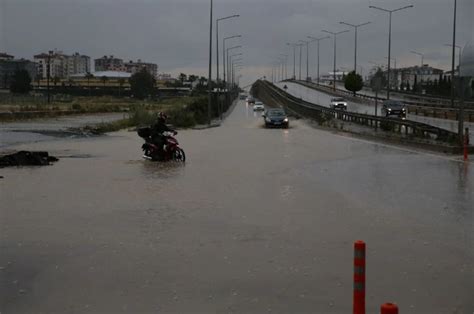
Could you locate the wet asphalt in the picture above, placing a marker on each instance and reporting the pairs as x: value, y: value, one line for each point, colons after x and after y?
x: 323, y: 99
x: 256, y: 221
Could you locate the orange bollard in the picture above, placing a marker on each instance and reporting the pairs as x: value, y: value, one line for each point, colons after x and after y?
x: 359, y: 278
x: 389, y: 308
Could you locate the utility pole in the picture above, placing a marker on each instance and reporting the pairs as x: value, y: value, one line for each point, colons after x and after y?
x: 389, y: 39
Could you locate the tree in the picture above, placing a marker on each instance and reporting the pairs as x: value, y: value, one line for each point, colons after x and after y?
x: 21, y: 82
x: 353, y: 82
x: 378, y: 76
x: 142, y: 84
x: 183, y: 77
x: 192, y: 78
x: 415, y: 84
x: 104, y: 80
x: 88, y: 77
x: 121, y: 82
x: 56, y: 80
x: 38, y: 78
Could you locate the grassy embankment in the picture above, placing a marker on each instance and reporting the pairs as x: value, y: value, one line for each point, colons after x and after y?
x: 183, y: 111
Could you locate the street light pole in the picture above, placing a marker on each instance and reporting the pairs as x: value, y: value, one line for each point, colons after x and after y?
x: 389, y: 39
x: 301, y: 56
x: 217, y: 56
x: 307, y: 56
x: 209, y: 81
x: 356, y: 27
x: 285, y: 67
x: 334, y: 69
x: 294, y: 59
x: 224, y: 55
x: 453, y: 60
x: 422, y: 62
x: 318, y: 40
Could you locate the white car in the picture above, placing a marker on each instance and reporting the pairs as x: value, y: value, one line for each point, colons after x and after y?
x: 338, y: 103
x: 258, y: 106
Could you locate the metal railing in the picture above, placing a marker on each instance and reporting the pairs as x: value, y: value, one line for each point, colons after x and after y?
x: 311, y: 110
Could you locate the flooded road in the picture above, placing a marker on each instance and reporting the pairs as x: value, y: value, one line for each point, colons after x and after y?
x: 40, y: 130
x: 323, y: 99
x: 256, y: 221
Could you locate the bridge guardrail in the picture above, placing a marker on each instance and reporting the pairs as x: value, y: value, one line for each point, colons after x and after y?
x: 415, y: 108
x: 398, y: 125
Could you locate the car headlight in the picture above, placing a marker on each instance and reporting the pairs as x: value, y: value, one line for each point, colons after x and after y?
x: 268, y: 120
x: 286, y: 120
x: 389, y: 109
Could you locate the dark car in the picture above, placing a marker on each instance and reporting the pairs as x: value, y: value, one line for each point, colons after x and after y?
x: 276, y: 118
x: 394, y: 108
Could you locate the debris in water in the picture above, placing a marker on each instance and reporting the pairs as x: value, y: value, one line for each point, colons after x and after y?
x: 26, y: 158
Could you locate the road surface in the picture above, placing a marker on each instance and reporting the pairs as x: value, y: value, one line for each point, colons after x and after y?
x: 323, y: 99
x: 256, y: 221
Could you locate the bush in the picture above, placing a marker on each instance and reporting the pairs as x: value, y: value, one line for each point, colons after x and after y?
x: 387, y: 126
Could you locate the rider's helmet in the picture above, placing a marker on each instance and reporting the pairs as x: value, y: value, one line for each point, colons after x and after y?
x: 162, y: 117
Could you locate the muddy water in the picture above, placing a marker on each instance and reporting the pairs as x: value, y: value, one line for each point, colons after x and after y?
x: 48, y: 129
x: 257, y: 221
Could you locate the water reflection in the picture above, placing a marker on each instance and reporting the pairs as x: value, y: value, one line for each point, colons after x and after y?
x: 161, y: 170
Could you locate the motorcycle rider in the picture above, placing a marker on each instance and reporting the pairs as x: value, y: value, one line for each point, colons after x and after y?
x: 158, y: 129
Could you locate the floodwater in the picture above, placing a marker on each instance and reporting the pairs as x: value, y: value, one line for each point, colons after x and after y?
x: 323, y: 99
x: 256, y: 221
x: 47, y: 129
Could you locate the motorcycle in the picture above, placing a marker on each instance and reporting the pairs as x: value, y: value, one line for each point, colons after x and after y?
x: 170, y: 151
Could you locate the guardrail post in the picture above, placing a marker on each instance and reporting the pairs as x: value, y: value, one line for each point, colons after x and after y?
x: 389, y: 308
x: 359, y: 278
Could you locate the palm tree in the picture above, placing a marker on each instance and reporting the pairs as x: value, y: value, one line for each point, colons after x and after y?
x: 89, y: 76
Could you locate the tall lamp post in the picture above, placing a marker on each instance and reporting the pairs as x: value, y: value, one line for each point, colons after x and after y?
x: 48, y: 74
x: 209, y: 81
x: 389, y: 39
x: 307, y: 56
x: 318, y: 40
x: 301, y: 55
x: 422, y: 62
x: 334, y: 68
x: 224, y: 54
x: 356, y: 27
x: 286, y: 65
x: 227, y: 59
x: 453, y: 57
x: 294, y: 59
x: 460, y: 52
x: 217, y: 56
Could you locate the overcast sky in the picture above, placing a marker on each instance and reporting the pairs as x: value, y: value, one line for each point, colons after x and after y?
x: 175, y: 33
